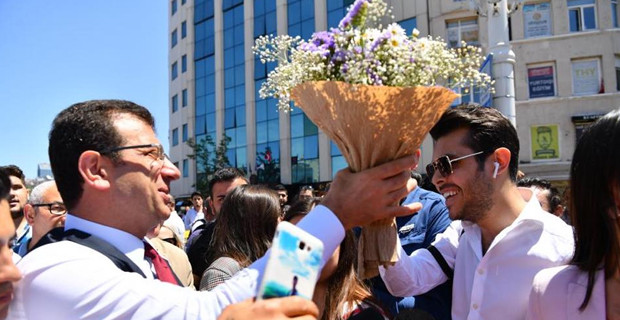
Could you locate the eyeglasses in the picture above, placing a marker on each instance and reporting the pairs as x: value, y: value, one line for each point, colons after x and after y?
x: 55, y: 208
x: 444, y: 165
x: 159, y: 154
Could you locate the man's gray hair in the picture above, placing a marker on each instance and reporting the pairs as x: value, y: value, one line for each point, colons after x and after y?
x: 36, y: 195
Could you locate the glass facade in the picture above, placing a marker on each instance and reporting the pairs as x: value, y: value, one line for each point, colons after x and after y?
x: 336, y: 10
x: 304, y: 134
x: 204, y: 64
x: 267, y: 116
x: 234, y: 83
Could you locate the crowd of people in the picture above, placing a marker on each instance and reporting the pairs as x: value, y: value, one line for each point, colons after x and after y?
x: 104, y: 240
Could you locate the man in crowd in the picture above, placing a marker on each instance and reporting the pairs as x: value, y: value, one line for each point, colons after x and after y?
x: 283, y: 197
x: 17, y: 201
x: 44, y: 212
x: 8, y: 272
x: 114, y: 178
x: 174, y: 222
x: 224, y: 180
x: 195, y: 212
x: 502, y: 240
x: 419, y: 231
x: 547, y: 195
x: 306, y: 192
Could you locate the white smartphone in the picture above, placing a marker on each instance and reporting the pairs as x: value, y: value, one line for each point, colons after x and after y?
x: 293, y: 266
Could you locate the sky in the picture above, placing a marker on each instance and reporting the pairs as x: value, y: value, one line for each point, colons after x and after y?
x: 57, y: 53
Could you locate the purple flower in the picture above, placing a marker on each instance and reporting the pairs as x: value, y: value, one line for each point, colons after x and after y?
x: 356, y: 15
x: 380, y: 40
x: 323, y: 39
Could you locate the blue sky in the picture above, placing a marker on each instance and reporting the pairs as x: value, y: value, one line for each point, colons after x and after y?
x: 56, y: 53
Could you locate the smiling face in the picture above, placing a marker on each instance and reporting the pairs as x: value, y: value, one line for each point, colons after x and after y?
x: 140, y: 183
x: 468, y: 190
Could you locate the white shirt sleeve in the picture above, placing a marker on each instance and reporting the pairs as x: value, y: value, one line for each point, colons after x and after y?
x: 418, y: 273
x: 65, y: 280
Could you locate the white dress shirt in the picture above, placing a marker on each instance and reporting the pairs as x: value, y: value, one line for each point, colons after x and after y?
x: 65, y: 280
x: 494, y: 285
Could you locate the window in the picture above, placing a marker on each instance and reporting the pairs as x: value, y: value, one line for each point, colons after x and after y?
x: 462, y: 30
x: 175, y: 136
x: 184, y: 63
x: 184, y: 133
x: 581, y: 15
x: 183, y: 29
x: 175, y: 71
x: 537, y: 20
x: 173, y: 5
x: 408, y: 25
x: 183, y: 2
x: 614, y: 13
x: 185, y: 168
x: 587, y: 77
x: 173, y: 38
x: 184, y: 98
x: 541, y: 80
x: 175, y: 103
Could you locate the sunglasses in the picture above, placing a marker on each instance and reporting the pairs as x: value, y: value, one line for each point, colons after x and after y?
x: 444, y: 165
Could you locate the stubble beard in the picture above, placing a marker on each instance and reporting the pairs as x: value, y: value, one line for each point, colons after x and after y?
x: 479, y: 199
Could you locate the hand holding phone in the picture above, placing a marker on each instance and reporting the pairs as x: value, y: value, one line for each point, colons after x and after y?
x: 293, y: 265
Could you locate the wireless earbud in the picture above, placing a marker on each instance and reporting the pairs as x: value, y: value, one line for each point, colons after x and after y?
x: 496, y: 164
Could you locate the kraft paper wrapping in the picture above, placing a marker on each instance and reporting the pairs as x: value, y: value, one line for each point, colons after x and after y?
x: 372, y: 125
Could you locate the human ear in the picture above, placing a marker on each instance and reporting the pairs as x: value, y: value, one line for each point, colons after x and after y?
x: 92, y: 168
x: 29, y: 213
x: 501, y: 161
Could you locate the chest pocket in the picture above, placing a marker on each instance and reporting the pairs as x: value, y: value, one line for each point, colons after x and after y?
x: 412, y: 236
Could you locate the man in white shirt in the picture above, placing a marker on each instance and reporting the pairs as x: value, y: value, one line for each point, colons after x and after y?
x: 115, y: 181
x: 195, y: 212
x: 502, y: 240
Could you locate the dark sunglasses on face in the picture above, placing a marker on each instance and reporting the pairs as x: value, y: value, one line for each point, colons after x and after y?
x: 443, y: 165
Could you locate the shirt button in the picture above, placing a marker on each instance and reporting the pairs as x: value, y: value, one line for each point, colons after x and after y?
x: 480, y: 271
x: 475, y: 306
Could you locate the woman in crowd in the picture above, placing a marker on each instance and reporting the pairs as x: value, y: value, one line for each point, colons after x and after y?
x: 339, y: 293
x: 243, y: 232
x: 588, y: 288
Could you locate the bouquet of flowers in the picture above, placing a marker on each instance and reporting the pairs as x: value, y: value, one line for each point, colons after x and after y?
x: 376, y: 91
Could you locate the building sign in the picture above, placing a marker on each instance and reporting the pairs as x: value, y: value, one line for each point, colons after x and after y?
x: 586, y: 77
x: 545, y: 144
x: 537, y: 20
x: 582, y: 121
x: 541, y: 82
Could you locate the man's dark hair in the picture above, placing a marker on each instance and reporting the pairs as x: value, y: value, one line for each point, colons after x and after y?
x: 488, y: 130
x: 225, y: 175
x: 15, y: 171
x: 5, y: 185
x: 553, y: 197
x: 81, y: 127
x: 196, y: 193
x: 279, y: 187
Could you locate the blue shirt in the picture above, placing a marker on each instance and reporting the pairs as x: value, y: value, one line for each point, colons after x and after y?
x: 415, y: 232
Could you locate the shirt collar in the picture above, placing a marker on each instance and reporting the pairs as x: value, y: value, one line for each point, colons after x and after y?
x: 126, y: 243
